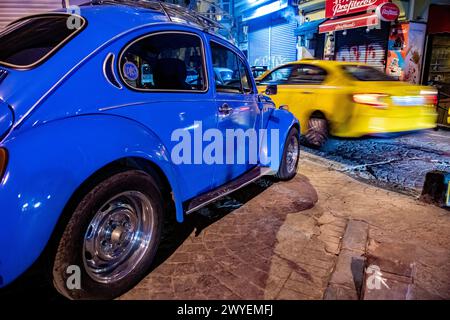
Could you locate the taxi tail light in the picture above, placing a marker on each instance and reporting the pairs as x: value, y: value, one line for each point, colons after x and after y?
x: 371, y: 99
x: 431, y: 97
x: 3, y: 160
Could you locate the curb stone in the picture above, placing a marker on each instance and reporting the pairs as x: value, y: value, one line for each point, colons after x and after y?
x: 346, y: 280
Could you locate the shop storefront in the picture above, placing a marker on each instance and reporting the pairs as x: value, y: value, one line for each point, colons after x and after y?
x: 358, y: 45
x: 437, y: 63
x: 271, y: 39
x: 437, y: 67
x: 310, y: 41
x: 358, y: 31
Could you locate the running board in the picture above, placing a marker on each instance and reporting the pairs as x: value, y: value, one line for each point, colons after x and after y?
x: 211, y: 196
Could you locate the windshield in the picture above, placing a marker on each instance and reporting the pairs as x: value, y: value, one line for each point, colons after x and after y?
x: 30, y: 41
x: 366, y: 73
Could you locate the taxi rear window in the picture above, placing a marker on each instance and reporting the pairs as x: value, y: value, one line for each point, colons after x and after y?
x: 30, y: 41
x: 366, y: 73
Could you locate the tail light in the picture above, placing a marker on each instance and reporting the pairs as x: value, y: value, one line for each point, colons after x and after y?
x: 375, y: 100
x: 431, y: 97
x: 3, y: 160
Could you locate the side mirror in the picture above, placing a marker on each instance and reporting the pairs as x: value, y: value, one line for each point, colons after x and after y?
x: 271, y: 89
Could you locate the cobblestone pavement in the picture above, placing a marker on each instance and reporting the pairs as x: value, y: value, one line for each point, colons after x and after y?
x: 271, y: 247
x: 269, y: 242
x: 394, y: 219
x: 398, y: 163
x: 281, y: 241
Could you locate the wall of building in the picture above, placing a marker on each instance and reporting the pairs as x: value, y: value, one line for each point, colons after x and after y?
x: 11, y: 10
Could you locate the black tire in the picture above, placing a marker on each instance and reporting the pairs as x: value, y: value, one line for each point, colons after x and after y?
x: 71, y: 248
x: 317, y: 134
x: 288, y: 166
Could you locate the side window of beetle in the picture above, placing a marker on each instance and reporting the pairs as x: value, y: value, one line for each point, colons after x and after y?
x: 230, y: 73
x: 164, y: 61
x: 226, y: 69
x: 245, y: 77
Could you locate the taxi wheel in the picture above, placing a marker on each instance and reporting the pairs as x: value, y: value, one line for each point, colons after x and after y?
x: 317, y: 133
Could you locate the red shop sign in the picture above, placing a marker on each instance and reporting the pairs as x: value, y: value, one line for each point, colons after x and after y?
x: 388, y: 11
x: 361, y: 20
x: 334, y: 8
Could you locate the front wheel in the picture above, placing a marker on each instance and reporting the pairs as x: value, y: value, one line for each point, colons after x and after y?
x: 111, y: 238
x: 291, y: 153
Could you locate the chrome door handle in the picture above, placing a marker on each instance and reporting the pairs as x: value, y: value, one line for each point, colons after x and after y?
x: 225, y: 109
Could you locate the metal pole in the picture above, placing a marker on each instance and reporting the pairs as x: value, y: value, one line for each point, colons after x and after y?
x: 412, y: 4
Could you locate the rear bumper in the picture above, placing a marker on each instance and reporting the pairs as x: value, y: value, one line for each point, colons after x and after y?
x: 370, y: 124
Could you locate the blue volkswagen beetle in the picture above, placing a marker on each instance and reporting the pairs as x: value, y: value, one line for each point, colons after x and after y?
x: 109, y: 118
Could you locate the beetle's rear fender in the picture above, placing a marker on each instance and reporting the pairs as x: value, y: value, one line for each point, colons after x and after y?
x: 272, y: 146
x: 48, y: 163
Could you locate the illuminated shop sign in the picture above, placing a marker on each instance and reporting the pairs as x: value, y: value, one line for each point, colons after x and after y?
x: 334, y: 8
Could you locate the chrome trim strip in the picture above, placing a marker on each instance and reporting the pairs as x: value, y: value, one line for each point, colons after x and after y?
x: 131, y: 104
x: 109, y: 55
x: 3, y: 74
x: 124, y: 105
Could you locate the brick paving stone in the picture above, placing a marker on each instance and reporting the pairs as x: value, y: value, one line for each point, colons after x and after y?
x: 305, y: 287
x: 268, y: 248
x: 288, y: 294
x: 291, y: 238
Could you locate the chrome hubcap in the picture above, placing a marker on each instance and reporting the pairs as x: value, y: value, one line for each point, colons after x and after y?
x: 118, y: 237
x: 292, y: 154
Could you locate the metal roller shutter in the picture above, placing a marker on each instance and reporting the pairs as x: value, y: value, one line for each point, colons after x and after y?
x: 11, y: 10
x: 283, y: 44
x: 271, y: 42
x: 258, y: 45
x: 358, y: 45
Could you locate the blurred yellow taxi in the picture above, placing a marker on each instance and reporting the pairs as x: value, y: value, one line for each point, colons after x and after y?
x: 348, y: 99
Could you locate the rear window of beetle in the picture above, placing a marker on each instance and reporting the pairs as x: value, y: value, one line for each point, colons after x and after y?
x: 30, y: 41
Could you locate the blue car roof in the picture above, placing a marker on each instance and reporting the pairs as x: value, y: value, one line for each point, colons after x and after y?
x: 126, y: 14
x: 119, y: 17
x: 123, y: 15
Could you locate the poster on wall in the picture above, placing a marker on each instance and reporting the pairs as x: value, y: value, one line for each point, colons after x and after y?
x: 405, y: 51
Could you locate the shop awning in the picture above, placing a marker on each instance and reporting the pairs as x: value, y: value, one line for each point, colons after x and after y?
x: 308, y: 27
x: 362, y: 20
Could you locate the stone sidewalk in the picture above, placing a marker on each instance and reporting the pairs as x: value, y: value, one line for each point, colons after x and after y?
x: 263, y: 242
x: 281, y: 240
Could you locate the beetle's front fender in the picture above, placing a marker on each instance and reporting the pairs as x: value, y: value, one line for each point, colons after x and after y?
x: 48, y: 163
x: 272, y: 146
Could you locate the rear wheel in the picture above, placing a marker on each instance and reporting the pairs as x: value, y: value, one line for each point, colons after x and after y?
x: 291, y: 153
x: 317, y: 134
x: 111, y: 238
